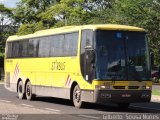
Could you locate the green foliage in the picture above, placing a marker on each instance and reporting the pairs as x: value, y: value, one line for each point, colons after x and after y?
x: 4, y: 10
x: 68, y: 12
x: 26, y: 29
x: 5, y: 14
x: 1, y: 54
x: 29, y: 13
x: 30, y: 28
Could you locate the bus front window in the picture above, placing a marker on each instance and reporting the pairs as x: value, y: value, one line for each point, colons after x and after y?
x: 137, y: 56
x: 121, y: 55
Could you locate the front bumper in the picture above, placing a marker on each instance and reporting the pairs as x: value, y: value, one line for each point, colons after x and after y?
x: 122, y: 96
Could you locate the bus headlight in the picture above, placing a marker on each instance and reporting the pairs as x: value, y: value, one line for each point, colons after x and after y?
x: 108, y: 87
x: 146, y: 87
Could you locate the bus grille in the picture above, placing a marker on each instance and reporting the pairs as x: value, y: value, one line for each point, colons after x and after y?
x: 7, y: 79
x: 119, y: 87
x: 133, y: 87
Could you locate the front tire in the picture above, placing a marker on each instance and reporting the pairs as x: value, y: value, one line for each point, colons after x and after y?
x: 77, y: 97
x: 28, y: 89
x: 20, y: 90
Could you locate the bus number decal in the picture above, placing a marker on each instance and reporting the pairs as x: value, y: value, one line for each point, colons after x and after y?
x: 58, y: 65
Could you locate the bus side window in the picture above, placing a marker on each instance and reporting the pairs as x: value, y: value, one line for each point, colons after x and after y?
x: 23, y: 49
x: 15, y: 49
x: 9, y: 50
x: 71, y: 44
x: 44, y: 47
x: 33, y: 47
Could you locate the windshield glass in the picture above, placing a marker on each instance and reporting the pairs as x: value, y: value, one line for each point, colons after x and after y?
x: 122, y: 55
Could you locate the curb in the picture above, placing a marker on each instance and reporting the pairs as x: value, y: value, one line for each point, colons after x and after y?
x: 155, y: 98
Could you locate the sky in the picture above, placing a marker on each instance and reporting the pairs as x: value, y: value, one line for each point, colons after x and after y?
x: 9, y: 3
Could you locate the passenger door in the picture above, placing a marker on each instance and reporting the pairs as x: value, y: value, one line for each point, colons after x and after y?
x: 87, y: 56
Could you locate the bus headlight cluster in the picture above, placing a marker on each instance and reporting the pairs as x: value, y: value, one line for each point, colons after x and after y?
x: 108, y: 87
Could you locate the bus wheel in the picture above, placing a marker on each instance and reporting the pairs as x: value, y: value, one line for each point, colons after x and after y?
x: 123, y: 105
x: 77, y: 97
x: 29, y: 91
x: 20, y: 90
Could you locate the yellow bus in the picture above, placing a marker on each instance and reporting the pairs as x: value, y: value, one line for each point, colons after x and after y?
x: 91, y: 63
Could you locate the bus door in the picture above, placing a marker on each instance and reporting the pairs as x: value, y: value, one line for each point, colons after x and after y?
x: 87, y: 56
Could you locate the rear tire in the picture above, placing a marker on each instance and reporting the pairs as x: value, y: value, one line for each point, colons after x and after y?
x: 77, y: 97
x: 28, y: 91
x: 20, y: 90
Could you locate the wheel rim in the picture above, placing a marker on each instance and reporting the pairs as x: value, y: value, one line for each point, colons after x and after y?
x: 20, y: 89
x: 77, y: 95
x: 28, y: 90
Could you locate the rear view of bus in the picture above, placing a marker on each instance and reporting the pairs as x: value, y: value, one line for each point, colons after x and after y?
x: 118, y: 65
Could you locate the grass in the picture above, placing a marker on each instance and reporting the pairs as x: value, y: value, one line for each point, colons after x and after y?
x: 156, y: 92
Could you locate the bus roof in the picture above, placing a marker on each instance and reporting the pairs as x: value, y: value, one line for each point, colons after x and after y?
x: 66, y: 29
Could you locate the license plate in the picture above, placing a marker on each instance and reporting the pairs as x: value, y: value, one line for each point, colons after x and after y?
x: 126, y: 95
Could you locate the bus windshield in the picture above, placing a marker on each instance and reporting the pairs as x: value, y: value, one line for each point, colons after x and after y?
x: 122, y: 55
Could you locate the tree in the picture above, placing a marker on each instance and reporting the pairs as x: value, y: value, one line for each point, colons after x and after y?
x: 28, y: 13
x: 5, y: 21
x: 56, y: 13
x: 103, y: 12
x: 67, y: 12
x: 30, y: 28
x: 76, y: 12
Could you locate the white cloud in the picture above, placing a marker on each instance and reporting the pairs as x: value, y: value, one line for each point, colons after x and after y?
x: 1, y: 1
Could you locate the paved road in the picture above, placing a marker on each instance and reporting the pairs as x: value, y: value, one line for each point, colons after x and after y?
x: 156, y: 87
x: 63, y: 109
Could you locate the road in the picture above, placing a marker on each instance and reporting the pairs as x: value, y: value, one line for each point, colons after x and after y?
x: 156, y: 87
x: 60, y: 109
